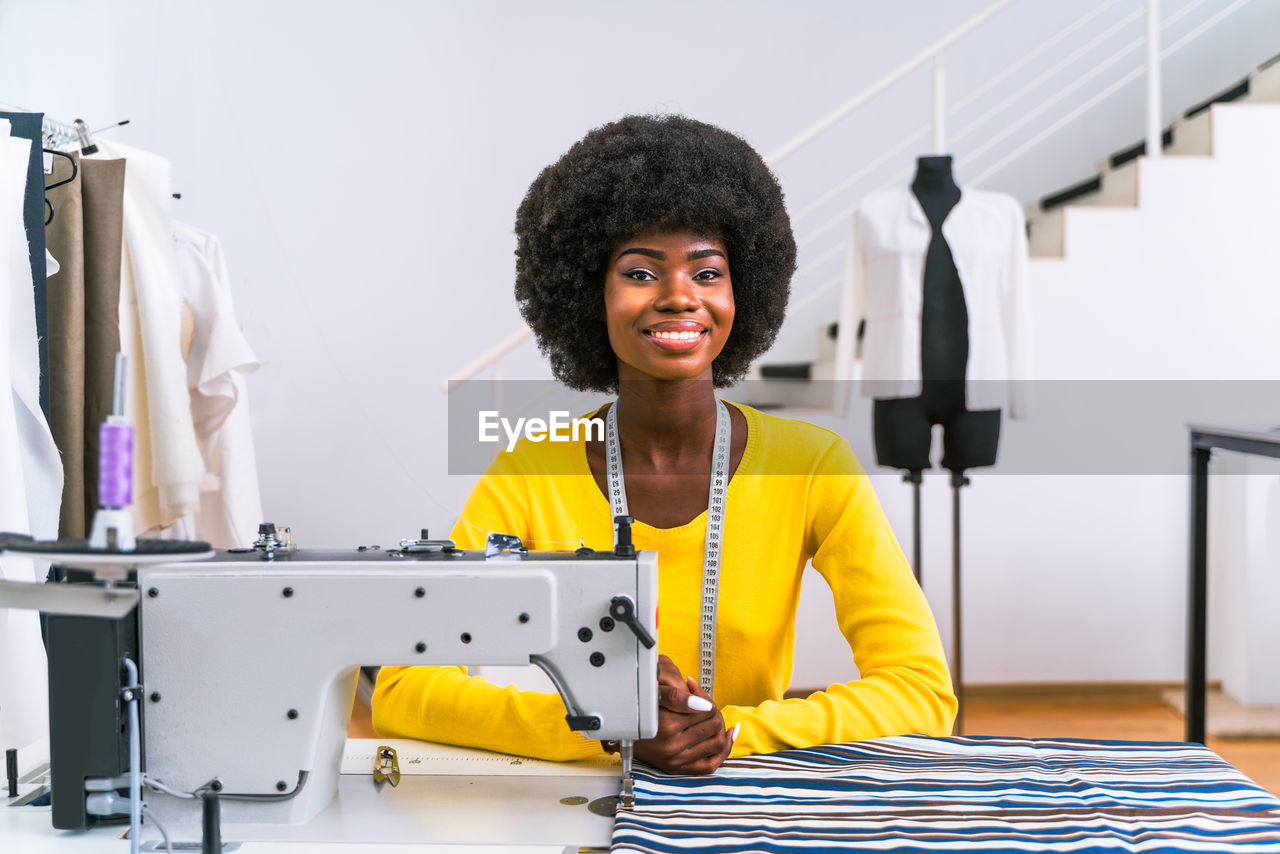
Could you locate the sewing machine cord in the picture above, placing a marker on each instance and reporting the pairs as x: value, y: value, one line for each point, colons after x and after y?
x: 715, y: 526
x: 135, y: 755
x: 168, y: 846
x: 137, y: 808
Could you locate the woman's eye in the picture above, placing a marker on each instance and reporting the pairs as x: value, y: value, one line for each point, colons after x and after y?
x: 708, y: 275
x: 640, y: 275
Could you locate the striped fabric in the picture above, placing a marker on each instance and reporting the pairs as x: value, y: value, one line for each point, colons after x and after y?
x: 957, y: 794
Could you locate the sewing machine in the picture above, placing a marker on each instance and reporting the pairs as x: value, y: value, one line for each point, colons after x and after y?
x: 248, y: 661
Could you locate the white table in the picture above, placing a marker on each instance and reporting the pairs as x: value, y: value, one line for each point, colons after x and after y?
x: 449, y: 800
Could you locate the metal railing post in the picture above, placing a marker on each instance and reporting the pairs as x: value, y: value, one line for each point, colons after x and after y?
x: 1155, y: 100
x: 939, y: 106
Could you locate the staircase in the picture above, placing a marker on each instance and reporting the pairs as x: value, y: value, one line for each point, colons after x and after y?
x: 804, y: 387
x: 1116, y: 184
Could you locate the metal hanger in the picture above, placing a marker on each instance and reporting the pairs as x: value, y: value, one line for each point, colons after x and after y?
x: 75, y: 170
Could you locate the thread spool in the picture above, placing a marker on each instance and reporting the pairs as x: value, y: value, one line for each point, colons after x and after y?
x: 115, y: 463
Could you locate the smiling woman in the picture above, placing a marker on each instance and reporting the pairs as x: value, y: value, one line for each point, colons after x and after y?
x: 654, y: 260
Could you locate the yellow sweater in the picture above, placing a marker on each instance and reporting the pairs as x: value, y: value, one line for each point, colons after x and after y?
x: 798, y: 495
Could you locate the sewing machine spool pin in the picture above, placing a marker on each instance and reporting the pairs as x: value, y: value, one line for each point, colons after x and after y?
x: 272, y: 540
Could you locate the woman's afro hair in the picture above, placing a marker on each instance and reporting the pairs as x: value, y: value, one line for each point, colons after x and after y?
x: 624, y: 178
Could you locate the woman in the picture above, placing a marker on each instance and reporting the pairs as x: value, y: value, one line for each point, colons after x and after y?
x: 654, y: 260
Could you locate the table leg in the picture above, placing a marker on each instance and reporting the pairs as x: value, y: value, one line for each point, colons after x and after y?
x: 1197, y: 594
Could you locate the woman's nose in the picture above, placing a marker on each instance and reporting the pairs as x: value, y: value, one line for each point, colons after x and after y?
x: 679, y: 293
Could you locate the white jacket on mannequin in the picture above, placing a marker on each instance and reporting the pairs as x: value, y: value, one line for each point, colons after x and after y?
x: 884, y: 286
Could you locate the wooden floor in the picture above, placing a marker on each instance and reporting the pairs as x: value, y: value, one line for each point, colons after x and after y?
x: 1119, y: 717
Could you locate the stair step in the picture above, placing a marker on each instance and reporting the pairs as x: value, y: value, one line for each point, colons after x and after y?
x: 1119, y: 188
x: 1264, y: 84
x: 1046, y: 234
x: 1236, y: 92
x: 1193, y: 136
x: 1134, y: 152
x: 1084, y: 188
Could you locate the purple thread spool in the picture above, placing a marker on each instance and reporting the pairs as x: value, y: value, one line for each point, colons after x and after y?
x: 115, y: 464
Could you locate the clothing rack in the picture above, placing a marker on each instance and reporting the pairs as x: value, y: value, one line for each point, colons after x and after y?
x: 60, y: 135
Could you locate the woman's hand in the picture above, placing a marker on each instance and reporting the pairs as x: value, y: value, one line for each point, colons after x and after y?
x: 691, y: 736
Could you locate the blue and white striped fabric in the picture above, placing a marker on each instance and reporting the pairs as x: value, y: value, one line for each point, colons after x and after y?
x: 957, y: 794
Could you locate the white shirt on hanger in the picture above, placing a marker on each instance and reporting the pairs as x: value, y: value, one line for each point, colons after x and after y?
x: 150, y: 265
x: 219, y: 360
x: 987, y: 236
x: 30, y: 467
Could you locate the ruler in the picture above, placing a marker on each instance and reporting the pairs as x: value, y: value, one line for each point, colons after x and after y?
x: 429, y: 758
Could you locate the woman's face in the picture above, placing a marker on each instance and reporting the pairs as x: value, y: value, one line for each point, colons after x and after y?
x: 668, y: 304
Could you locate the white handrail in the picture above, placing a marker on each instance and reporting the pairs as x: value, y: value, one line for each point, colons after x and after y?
x: 828, y: 121
x: 1066, y: 61
x: 842, y: 216
x: 1027, y: 57
x: 964, y: 102
x: 1025, y: 118
x: 1110, y: 90
x: 812, y: 297
x: 1013, y: 127
x: 851, y: 180
x: 833, y: 252
x: 488, y: 358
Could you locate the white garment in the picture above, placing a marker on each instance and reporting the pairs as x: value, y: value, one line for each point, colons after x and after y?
x: 177, y: 467
x: 217, y: 364
x: 30, y: 467
x: 987, y: 236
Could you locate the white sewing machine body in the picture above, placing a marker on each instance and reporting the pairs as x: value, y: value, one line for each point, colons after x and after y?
x: 248, y: 662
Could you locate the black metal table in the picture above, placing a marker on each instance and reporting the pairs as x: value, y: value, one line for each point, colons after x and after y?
x: 1203, y: 440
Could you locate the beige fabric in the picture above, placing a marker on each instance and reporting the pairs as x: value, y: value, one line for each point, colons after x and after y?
x: 85, y: 238
x: 64, y: 236
x: 102, y: 196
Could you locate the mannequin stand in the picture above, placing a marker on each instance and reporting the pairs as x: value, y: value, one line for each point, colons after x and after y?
x: 914, y: 477
x: 958, y: 482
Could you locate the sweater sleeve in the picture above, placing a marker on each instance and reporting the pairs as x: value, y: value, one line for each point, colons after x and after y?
x: 446, y: 704
x: 904, y: 685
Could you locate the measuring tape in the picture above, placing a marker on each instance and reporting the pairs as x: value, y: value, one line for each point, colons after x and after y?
x: 716, y: 495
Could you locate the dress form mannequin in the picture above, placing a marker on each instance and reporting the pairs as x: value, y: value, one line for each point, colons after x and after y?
x: 903, y: 427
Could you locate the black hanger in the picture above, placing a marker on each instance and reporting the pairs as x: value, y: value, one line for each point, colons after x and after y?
x: 75, y: 170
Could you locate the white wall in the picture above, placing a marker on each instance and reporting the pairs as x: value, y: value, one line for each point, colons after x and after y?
x: 363, y: 162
